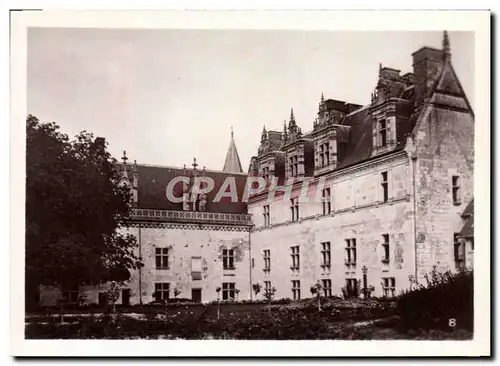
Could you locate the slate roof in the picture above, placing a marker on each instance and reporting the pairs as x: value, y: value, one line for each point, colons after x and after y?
x: 468, y: 228
x: 153, y: 180
x: 360, y: 143
x: 232, y: 163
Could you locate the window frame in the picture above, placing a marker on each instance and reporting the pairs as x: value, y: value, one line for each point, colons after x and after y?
x: 161, y: 290
x: 385, y: 186
x: 296, y: 290
x: 382, y: 133
x: 228, y: 289
x: 70, y: 294
x: 351, y: 251
x: 327, y: 287
x: 267, y: 287
x: 294, y: 165
x: 294, y: 208
x: 386, y: 254
x: 326, y: 201
x: 456, y: 190
x: 389, y: 284
x: 295, y: 257
x: 162, y: 257
x: 228, y: 259
x: 267, y: 260
x: 326, y: 254
x: 266, y: 214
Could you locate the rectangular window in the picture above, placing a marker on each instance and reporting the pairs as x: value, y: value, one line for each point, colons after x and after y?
x: 458, y: 252
x: 196, y: 268
x: 267, y: 286
x: 327, y: 204
x: 267, y: 218
x: 385, y: 248
x: 325, y: 255
x: 351, y: 286
x: 294, y: 166
x: 385, y: 187
x: 228, y: 290
x: 70, y: 294
x: 162, y: 291
x: 327, y: 288
x: 267, y: 260
x: 228, y: 258
x: 265, y: 173
x: 294, y: 208
x: 295, y: 258
x: 296, y: 289
x: 389, y: 286
x: 324, y: 155
x: 455, y: 182
x: 253, y: 263
x: 161, y: 255
x: 382, y: 133
x: 350, y: 251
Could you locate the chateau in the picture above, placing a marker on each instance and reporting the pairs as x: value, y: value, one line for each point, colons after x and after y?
x: 395, y: 186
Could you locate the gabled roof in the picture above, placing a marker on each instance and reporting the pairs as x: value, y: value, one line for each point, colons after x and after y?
x: 447, y: 90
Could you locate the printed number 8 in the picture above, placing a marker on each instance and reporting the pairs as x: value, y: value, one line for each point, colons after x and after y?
x: 452, y: 322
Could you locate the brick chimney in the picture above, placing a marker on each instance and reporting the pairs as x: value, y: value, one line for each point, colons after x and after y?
x: 427, y: 65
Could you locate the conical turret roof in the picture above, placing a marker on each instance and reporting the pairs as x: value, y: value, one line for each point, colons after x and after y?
x: 232, y: 163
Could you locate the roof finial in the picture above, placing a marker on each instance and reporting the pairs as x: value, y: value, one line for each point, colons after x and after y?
x: 124, y: 157
x: 194, y: 164
x: 264, y: 134
x: 232, y: 132
x: 380, y: 68
x: 292, y: 118
x: 322, y: 97
x: 446, y: 46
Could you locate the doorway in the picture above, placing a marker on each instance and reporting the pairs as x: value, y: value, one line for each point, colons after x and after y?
x: 196, y: 294
x: 126, y: 297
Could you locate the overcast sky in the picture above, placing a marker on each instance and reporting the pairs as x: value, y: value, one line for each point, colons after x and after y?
x: 167, y: 96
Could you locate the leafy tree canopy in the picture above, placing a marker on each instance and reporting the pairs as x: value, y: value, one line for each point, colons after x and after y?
x: 74, y: 210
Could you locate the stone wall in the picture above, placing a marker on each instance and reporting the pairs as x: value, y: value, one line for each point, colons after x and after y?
x: 444, y: 142
x: 358, y: 213
x: 184, y: 243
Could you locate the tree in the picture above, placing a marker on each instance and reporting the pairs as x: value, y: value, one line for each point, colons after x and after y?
x: 316, y: 291
x: 269, y: 295
x: 74, y: 210
x: 113, y: 294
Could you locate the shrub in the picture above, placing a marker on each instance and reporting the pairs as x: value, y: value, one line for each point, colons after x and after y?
x: 445, y: 302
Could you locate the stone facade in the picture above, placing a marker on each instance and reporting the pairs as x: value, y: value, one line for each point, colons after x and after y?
x: 186, y: 245
x: 374, y: 193
x: 357, y: 212
x: 399, y: 173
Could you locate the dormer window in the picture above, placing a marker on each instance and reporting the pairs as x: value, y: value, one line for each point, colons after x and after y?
x: 382, y: 133
x: 294, y: 166
x: 265, y: 173
x: 324, y: 154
